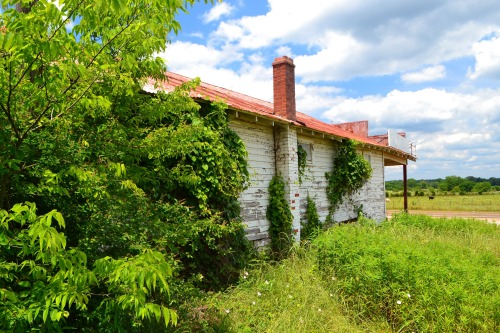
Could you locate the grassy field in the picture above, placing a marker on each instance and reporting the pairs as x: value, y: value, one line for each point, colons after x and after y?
x: 470, y: 203
x: 411, y: 274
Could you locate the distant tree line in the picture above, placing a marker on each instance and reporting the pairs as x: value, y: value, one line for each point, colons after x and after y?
x: 450, y: 184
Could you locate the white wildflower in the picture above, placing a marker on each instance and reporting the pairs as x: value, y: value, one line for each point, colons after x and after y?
x: 398, y: 302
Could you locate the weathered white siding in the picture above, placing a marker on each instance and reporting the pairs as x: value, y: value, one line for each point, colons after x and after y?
x: 372, y: 194
x: 370, y: 198
x: 314, y: 182
x: 259, y: 139
x: 259, y: 142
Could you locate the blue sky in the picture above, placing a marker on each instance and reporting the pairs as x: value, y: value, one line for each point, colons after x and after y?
x: 430, y: 68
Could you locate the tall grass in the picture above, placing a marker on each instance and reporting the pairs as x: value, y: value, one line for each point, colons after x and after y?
x: 411, y: 274
x: 418, y: 273
x: 478, y: 203
x: 287, y: 297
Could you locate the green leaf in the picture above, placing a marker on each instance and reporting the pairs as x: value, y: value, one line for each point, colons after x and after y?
x: 24, y: 284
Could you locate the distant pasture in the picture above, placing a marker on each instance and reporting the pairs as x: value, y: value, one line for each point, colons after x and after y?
x: 468, y: 203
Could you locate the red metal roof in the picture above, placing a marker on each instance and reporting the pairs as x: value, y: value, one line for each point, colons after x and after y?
x: 248, y: 104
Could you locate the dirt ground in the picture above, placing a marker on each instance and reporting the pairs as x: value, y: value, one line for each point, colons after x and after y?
x: 493, y: 217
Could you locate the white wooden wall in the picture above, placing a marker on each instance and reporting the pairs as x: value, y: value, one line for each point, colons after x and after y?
x: 371, y: 195
x: 314, y: 182
x: 259, y: 142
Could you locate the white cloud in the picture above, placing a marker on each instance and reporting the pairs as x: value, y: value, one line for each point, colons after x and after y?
x: 196, y: 34
x: 219, y: 10
x: 313, y: 99
x: 487, y: 55
x: 284, y: 51
x: 182, y: 55
x: 427, y: 74
x: 427, y: 108
x: 354, y: 38
x: 254, y: 77
x: 453, y: 131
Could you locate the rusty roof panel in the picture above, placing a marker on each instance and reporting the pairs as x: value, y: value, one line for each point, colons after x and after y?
x: 245, y: 103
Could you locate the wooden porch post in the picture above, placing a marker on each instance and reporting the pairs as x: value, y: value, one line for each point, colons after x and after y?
x: 405, y: 188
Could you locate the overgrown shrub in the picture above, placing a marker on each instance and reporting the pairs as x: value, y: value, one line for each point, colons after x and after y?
x: 48, y: 287
x: 280, y: 218
x: 419, y: 274
x: 311, y: 225
x: 350, y: 172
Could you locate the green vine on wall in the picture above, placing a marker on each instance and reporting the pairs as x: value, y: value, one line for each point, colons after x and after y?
x: 302, y: 160
x: 350, y: 172
x: 311, y: 224
x: 279, y: 216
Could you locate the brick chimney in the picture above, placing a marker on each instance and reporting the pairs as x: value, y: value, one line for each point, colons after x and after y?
x: 284, y: 87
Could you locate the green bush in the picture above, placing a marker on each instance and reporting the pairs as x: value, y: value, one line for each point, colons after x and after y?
x: 419, y: 274
x: 350, y: 172
x: 280, y: 218
x: 47, y: 287
x: 311, y: 225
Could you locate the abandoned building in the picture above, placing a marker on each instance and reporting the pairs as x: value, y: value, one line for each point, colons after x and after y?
x: 272, y: 132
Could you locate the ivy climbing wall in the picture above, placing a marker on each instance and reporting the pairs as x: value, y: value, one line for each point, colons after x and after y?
x: 370, y: 198
x: 314, y: 182
x: 372, y: 194
x: 265, y: 156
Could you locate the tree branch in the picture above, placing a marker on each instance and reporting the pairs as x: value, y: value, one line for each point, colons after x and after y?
x: 104, y: 46
x: 78, y: 99
x: 6, y: 108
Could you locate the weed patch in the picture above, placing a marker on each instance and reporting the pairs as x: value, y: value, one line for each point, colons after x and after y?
x: 417, y: 273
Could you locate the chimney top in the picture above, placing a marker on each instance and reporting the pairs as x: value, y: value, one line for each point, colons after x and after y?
x: 283, y: 59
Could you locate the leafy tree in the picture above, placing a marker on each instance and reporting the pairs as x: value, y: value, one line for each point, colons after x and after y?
x: 41, y: 280
x: 482, y: 187
x: 131, y: 172
x: 56, y: 57
x: 466, y: 186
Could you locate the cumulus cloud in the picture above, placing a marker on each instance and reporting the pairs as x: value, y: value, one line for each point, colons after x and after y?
x: 429, y: 42
x: 347, y: 39
x: 426, y: 109
x: 284, y: 51
x: 219, y: 10
x: 181, y: 55
x: 451, y: 130
x: 196, y: 34
x: 427, y: 74
x: 487, y: 56
x: 253, y: 77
